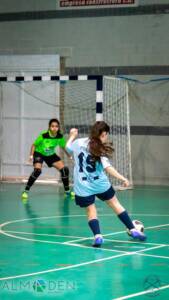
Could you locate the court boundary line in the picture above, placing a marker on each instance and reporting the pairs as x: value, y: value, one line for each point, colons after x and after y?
x: 63, y: 268
x: 142, y: 293
x: 78, y: 239
x: 60, y: 243
x: 68, y: 243
x: 127, y: 252
x: 91, y: 247
x: 41, y: 234
x: 154, y: 255
x: 119, y: 232
x: 76, y: 265
x: 26, y: 239
x: 83, y: 246
x: 66, y: 216
x: 134, y: 242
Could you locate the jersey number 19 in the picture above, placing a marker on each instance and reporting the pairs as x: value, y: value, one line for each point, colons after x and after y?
x: 91, y: 167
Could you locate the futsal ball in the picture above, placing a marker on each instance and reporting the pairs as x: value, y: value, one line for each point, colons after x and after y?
x: 138, y: 225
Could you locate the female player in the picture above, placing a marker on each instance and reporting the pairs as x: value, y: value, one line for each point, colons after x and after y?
x: 43, y: 149
x: 91, y: 157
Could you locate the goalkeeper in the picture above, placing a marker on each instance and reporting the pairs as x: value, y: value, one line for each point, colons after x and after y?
x: 90, y: 180
x: 43, y: 150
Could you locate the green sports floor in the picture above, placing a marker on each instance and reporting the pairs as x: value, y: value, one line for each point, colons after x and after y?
x: 45, y: 247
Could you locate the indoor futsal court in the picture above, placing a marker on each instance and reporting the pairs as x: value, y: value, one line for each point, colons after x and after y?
x: 84, y: 113
x: 46, y: 247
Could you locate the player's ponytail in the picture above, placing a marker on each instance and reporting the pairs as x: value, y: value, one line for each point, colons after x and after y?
x: 96, y: 147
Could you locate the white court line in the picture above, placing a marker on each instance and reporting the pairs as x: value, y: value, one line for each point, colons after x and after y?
x: 148, y: 249
x: 78, y: 240
x: 136, y: 214
x: 60, y: 243
x: 142, y: 293
x: 67, y: 243
x: 30, y: 240
x: 43, y: 234
x: 63, y: 268
x: 65, y: 216
x: 41, y: 218
x: 72, y: 241
x: 148, y: 215
x: 154, y: 255
x: 163, y: 225
x: 74, y: 266
x: 76, y: 216
x: 68, y: 267
x: 127, y: 252
x: 148, y: 227
x: 112, y: 250
x: 134, y: 242
x: 124, y: 246
x: 119, y: 232
x: 91, y: 247
x: 114, y: 233
x: 89, y: 238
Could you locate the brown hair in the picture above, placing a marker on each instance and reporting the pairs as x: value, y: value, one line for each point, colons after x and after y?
x: 54, y: 121
x: 96, y: 147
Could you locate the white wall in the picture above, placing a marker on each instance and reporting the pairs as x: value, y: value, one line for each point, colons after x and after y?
x: 37, y: 5
x: 102, y: 41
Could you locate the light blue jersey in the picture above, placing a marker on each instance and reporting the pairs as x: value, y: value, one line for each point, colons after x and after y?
x: 89, y: 177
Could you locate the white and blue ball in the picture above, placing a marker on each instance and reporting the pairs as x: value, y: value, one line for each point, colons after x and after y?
x: 138, y: 225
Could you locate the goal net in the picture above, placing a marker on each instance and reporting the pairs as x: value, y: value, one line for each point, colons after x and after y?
x: 77, y: 109
x: 116, y: 114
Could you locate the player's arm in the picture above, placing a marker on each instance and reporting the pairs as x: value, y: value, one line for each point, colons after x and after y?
x: 36, y: 142
x: 67, y: 153
x: 72, y: 136
x: 32, y: 150
x: 62, y: 144
x: 113, y: 172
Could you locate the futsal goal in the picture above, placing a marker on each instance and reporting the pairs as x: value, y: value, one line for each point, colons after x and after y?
x: 78, y: 101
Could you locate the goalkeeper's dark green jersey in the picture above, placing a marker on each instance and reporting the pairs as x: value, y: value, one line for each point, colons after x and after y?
x: 46, y: 144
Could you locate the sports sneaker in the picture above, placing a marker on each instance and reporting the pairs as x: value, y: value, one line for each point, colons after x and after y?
x: 98, y: 241
x: 136, y: 234
x: 24, y: 195
x: 69, y: 194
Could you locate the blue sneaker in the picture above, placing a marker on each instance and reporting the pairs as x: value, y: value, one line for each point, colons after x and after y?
x: 136, y: 234
x: 98, y: 241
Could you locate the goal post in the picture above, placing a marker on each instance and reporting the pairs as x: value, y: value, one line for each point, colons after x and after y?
x: 116, y: 113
